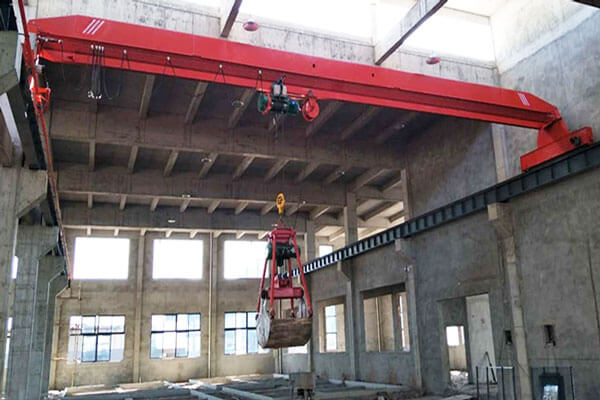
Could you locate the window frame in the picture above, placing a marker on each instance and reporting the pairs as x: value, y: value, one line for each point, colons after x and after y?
x: 79, y: 350
x: 247, y: 329
x: 334, y: 302
x: 176, y: 331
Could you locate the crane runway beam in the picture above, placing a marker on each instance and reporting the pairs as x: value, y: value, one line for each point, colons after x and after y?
x: 552, y: 172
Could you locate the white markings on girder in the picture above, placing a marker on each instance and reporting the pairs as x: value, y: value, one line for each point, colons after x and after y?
x: 523, y: 99
x: 93, y: 27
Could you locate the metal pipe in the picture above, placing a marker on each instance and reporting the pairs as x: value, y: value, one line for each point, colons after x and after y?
x: 514, y: 379
x: 477, y: 380
x: 35, y: 86
x: 503, y: 391
x: 487, y: 383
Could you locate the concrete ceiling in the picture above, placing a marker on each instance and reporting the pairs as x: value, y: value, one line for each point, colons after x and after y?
x: 134, y: 148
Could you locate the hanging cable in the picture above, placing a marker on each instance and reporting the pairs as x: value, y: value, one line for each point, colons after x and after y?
x: 121, y: 74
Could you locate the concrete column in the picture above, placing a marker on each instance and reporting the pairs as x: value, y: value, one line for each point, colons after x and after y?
x: 32, y: 243
x: 501, y: 218
x: 50, y: 269
x: 351, y: 313
x: 213, y: 278
x: 350, y: 219
x: 310, y: 242
x: 55, y: 286
x: 407, y: 261
x: 500, y: 152
x: 22, y: 189
x: 139, y: 290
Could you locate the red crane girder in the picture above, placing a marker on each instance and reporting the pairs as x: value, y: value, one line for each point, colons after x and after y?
x: 71, y: 39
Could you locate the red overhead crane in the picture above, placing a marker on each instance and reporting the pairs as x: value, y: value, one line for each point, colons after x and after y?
x: 84, y: 40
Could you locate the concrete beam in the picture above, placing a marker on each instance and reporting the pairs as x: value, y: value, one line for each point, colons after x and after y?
x: 229, y: 12
x: 170, y: 162
x: 267, y: 208
x: 323, y: 117
x: 362, y: 120
x: 132, y: 158
x: 395, y: 218
x: 184, y: 205
x: 393, y: 182
x: 242, y: 167
x: 378, y: 210
x: 396, y: 127
x: 337, y: 234
x: 275, y: 169
x: 336, y: 174
x: 237, y: 113
x: 92, y: 155
x: 365, y: 178
x: 107, y: 216
x: 146, y: 96
x: 139, y: 217
x: 241, y: 207
x: 120, y: 126
x: 306, y: 171
x: 154, y: 203
x: 418, y: 14
x: 122, y: 202
x: 318, y: 211
x: 292, y: 209
x: 192, y: 109
x: 213, y: 206
x: 152, y: 185
x: 208, y: 163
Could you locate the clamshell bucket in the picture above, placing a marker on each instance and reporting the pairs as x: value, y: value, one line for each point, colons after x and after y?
x: 294, y: 326
x: 273, y: 333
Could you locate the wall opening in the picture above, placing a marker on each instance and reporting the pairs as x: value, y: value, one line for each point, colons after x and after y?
x: 457, y: 354
x: 332, y: 330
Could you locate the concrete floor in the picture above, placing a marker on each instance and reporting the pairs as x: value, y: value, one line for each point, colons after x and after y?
x: 257, y: 387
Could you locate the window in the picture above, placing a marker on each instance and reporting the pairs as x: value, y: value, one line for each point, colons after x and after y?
x: 403, y: 322
x: 177, y: 259
x: 336, y: 15
x: 455, y: 336
x: 95, y: 338
x: 549, y: 335
x: 14, y: 267
x: 240, y: 334
x: 101, y: 258
x: 244, y: 258
x: 332, y: 332
x: 379, y: 323
x: 175, y: 336
x: 325, y: 249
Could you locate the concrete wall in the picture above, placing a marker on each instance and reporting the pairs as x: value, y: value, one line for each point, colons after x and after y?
x: 158, y: 297
x: 551, y: 49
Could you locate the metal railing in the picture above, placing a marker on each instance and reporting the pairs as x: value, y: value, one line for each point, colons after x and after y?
x: 502, y: 379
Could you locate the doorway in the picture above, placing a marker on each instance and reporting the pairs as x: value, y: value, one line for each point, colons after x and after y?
x: 457, y: 354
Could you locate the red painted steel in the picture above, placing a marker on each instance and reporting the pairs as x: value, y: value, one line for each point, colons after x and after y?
x: 158, y: 51
x: 282, y: 287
